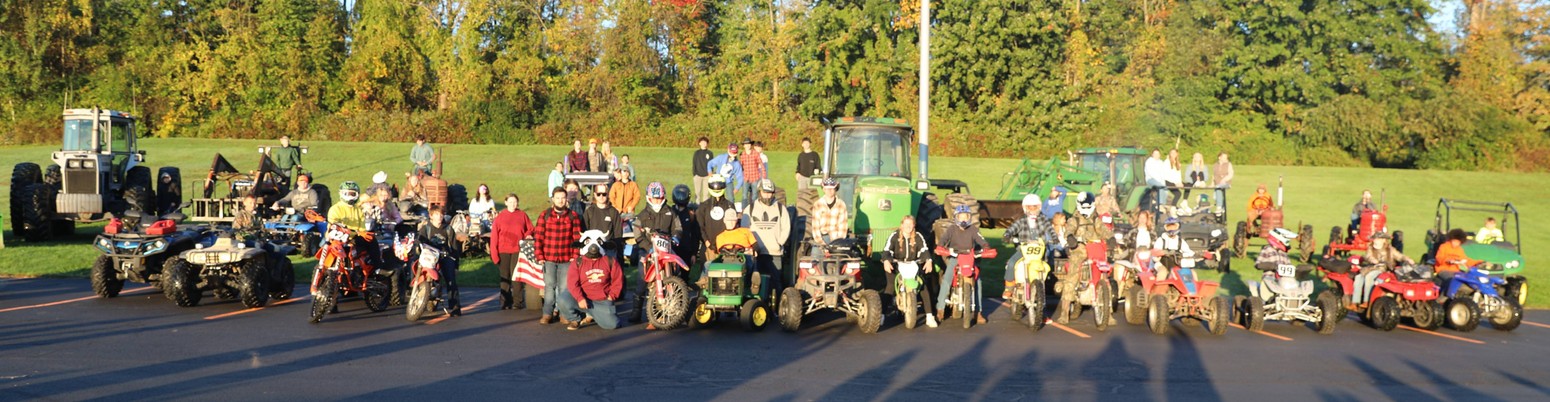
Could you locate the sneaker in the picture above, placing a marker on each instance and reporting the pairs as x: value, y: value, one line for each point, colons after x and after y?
x: 1006, y: 294
x: 584, y: 321
x: 930, y: 321
x: 572, y: 326
x: 980, y: 319
x: 546, y: 320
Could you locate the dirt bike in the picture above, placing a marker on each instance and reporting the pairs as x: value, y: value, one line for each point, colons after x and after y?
x: 1028, y: 278
x: 907, y: 286
x: 963, y: 296
x: 427, y: 291
x: 343, y: 268
x: 667, y: 298
x: 1088, y: 284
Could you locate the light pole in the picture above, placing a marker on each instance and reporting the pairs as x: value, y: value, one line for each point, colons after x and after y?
x: 924, y: 133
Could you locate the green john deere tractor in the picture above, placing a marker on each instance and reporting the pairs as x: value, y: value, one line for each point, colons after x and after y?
x: 1084, y: 169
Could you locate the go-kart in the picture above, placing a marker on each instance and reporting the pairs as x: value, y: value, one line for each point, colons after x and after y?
x: 1409, y: 293
x: 1477, y: 293
x: 1028, y: 277
x: 1183, y: 296
x: 1285, y: 295
x: 733, y: 287
x: 831, y: 280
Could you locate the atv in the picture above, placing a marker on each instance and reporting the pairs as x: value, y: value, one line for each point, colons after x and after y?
x: 831, y: 280
x: 1477, y: 293
x: 731, y: 289
x: 1284, y: 296
x: 1028, y: 279
x: 1505, y: 257
x: 255, y: 270
x: 1182, y: 296
x: 1394, y: 296
x: 135, y: 251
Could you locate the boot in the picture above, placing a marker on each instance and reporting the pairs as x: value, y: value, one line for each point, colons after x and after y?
x: 979, y: 318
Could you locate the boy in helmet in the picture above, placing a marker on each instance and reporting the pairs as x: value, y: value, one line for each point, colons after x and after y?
x: 830, y: 217
x: 710, y: 213
x: 1089, y: 228
x: 1273, y: 254
x: 688, y: 246
x: 1170, y: 248
x: 962, y: 238
x: 1033, y: 226
x: 592, y: 286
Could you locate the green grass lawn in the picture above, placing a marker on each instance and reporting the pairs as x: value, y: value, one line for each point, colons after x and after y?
x: 1321, y: 197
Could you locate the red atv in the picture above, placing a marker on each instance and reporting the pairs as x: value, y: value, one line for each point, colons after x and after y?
x: 1393, y: 296
x: 1181, y: 295
x: 1088, y: 284
x: 344, y: 269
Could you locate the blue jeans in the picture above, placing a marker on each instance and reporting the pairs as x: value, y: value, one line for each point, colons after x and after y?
x: 554, y: 278
x: 601, y: 311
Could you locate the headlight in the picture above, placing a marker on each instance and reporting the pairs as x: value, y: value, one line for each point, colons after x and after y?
x: 1216, y: 233
x: 154, y: 247
x: 1485, y: 279
x: 104, y: 244
x: 89, y: 164
x: 806, y: 265
x: 1512, y: 264
x: 1409, y: 293
x: 73, y: 164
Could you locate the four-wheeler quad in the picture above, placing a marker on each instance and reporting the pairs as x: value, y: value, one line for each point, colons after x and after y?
x: 1181, y: 295
x: 300, y: 228
x: 344, y: 268
x: 1086, y: 284
x: 1284, y: 295
x: 1478, y: 293
x: 667, y: 295
x: 473, y: 234
x: 255, y: 270
x: 1407, y: 293
x: 1028, y: 278
x: 734, y: 287
x: 963, y: 295
x: 1504, y: 254
x: 427, y: 291
x: 98, y: 172
x: 832, y: 280
x: 136, y: 251
x: 1271, y: 217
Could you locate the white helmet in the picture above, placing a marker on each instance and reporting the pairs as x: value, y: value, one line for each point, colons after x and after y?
x: 1031, y: 200
x: 1282, y: 237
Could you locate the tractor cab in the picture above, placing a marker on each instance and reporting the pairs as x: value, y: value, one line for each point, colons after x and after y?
x: 98, y: 150
x: 870, y: 157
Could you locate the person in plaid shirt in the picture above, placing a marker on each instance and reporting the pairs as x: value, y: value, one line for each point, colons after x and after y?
x: 830, y: 217
x: 557, y: 232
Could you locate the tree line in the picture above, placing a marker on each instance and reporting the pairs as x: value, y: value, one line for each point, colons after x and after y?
x: 1355, y: 82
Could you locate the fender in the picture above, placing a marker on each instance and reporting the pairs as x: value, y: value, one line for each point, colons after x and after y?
x: 1474, y: 278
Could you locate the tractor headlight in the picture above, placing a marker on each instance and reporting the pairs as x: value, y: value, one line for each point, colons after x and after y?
x: 89, y: 164
x: 1216, y: 233
x: 154, y: 247
x: 73, y: 164
x: 105, y: 245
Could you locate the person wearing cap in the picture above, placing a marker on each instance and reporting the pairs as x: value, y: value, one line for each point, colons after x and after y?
x: 602, y: 216
x: 169, y: 196
x: 657, y: 218
x: 594, y: 157
x: 710, y: 213
x: 576, y: 160
x: 378, y: 183
x: 771, y: 224
x: 700, y: 166
x: 829, y: 219
x: 301, y: 198
x: 753, y: 171
x: 730, y: 168
x: 286, y: 158
x: 962, y: 238
x: 1381, y: 257
x: 808, y: 165
x: 422, y: 155
x: 1170, y: 247
x: 1033, y: 226
x: 625, y: 193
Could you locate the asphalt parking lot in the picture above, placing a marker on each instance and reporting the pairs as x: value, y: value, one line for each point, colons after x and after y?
x: 59, y: 342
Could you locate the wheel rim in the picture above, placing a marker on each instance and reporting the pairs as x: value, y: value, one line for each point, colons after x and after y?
x: 702, y: 314
x: 1458, y: 313
x: 759, y: 316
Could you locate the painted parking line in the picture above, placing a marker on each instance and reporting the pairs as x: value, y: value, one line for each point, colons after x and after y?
x: 1263, y: 333
x: 1457, y: 338
x: 1536, y: 324
x: 249, y: 310
x: 1047, y: 321
x: 467, y: 309
x: 79, y: 299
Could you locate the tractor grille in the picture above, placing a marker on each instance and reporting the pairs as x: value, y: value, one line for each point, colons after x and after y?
x: 726, y: 286
x: 80, y: 181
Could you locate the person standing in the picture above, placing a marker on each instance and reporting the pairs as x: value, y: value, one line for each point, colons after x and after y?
x: 808, y: 165
x: 594, y: 158
x: 730, y: 168
x: 625, y: 193
x: 700, y: 167
x: 624, y: 164
x: 506, y: 236
x: 609, y: 160
x: 601, y: 216
x: 287, y: 158
x: 771, y: 225
x: 556, y: 176
x: 1221, y: 178
x: 422, y: 155
x: 576, y: 160
x: 557, y: 232
x: 753, y: 171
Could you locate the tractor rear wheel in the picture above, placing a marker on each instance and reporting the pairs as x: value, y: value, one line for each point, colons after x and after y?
x: 34, y: 212
x: 1240, y: 239
x: 22, y: 176
x: 138, y: 193
x: 1305, y: 242
x: 457, y: 199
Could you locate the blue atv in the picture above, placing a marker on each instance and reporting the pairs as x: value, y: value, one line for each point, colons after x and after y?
x: 304, y: 236
x: 1476, y: 294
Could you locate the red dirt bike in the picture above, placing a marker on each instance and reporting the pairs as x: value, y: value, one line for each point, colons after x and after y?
x: 964, y: 294
x: 667, y: 298
x: 344, y: 269
x: 1089, y: 285
x: 427, y: 291
x: 1393, y: 297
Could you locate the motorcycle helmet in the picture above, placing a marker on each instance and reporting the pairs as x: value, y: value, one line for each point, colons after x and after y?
x: 1171, y: 226
x: 681, y: 194
x: 717, y: 185
x: 350, y: 192
x: 963, y: 209
x: 1031, y: 204
x: 592, y: 243
x: 1280, y: 238
x: 830, y: 182
x: 1084, y: 203
x: 655, y: 196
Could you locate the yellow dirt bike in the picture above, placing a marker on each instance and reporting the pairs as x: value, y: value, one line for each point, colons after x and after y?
x: 1027, y: 288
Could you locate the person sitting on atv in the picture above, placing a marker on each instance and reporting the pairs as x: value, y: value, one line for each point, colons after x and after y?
x: 1450, y: 256
x: 437, y: 233
x: 907, y: 245
x: 657, y: 219
x: 688, y: 245
x: 1259, y: 203
x: 1273, y: 255
x: 1381, y: 257
x: 247, y: 220
x: 1489, y: 234
x: 1106, y: 203
x: 1169, y: 249
x: 593, y: 284
x: 960, y: 239
x: 1088, y: 229
x: 710, y: 212
x: 1364, y: 205
x: 1032, y: 226
x: 302, y: 198
x: 830, y: 217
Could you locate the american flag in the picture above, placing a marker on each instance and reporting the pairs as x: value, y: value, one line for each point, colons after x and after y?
x: 529, y: 270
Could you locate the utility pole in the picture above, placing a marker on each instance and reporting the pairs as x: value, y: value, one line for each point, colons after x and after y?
x: 924, y: 132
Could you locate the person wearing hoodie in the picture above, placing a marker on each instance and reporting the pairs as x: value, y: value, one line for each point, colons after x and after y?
x: 771, y: 225
x: 593, y: 285
x: 730, y: 168
x: 625, y: 193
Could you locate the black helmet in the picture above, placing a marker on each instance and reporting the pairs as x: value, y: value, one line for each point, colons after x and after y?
x: 681, y: 194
